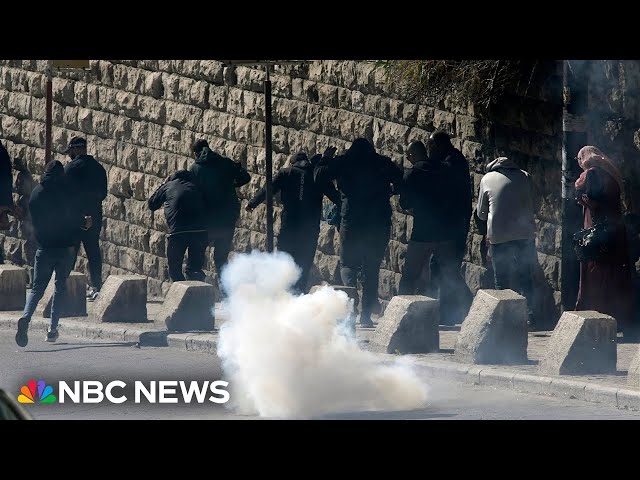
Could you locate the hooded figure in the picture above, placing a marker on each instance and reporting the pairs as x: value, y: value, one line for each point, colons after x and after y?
x: 428, y: 192
x: 440, y: 149
x: 58, y: 221
x: 606, y: 284
x: 301, y: 196
x: 366, y: 181
x: 184, y: 211
x: 217, y: 177
x: 505, y: 202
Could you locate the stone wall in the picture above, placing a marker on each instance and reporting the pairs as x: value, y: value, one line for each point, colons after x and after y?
x: 140, y: 117
x: 614, y: 119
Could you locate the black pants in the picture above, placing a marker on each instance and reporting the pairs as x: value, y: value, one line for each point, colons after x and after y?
x: 300, y: 242
x: 362, y: 249
x: 417, y: 258
x: 90, y: 240
x: 221, y: 239
x: 452, y: 313
x: 179, y: 243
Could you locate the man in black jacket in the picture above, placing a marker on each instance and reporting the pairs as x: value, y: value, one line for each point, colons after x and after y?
x: 89, y: 179
x: 58, y: 222
x: 218, y: 177
x: 364, y: 179
x: 440, y: 149
x: 428, y: 193
x: 184, y: 210
x: 301, y: 198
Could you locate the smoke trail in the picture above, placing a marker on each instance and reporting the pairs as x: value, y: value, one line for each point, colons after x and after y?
x: 286, y: 356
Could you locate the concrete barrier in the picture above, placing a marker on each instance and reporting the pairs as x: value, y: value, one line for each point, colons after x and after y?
x: 188, y: 306
x: 633, y: 377
x: 495, y: 330
x: 409, y: 325
x: 13, y: 287
x: 123, y: 298
x: 75, y: 303
x: 583, y: 343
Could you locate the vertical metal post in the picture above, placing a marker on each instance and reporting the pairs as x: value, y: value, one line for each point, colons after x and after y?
x: 268, y: 160
x: 49, y: 114
x: 574, y: 137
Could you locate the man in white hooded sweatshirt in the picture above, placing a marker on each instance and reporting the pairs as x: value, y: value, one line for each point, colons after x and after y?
x: 505, y: 202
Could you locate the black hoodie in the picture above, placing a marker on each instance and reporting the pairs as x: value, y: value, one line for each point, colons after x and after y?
x: 364, y: 179
x: 301, y: 195
x: 183, y: 203
x: 55, y: 211
x: 89, y: 178
x: 461, y: 185
x: 428, y: 193
x: 217, y: 177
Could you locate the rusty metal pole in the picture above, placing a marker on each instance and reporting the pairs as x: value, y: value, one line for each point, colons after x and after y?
x: 268, y: 160
x: 49, y: 115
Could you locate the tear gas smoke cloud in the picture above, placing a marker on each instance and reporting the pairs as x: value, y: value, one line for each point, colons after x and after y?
x: 289, y: 356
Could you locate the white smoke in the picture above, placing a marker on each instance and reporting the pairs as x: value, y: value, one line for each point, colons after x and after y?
x: 286, y: 356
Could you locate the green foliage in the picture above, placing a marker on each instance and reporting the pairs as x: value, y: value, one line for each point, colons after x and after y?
x: 479, y: 82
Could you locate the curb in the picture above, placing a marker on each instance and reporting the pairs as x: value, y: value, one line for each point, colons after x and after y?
x: 619, y: 397
x: 199, y: 342
x: 103, y: 331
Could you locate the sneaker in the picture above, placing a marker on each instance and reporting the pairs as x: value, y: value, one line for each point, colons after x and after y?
x: 21, y: 337
x: 52, y: 336
x: 92, y: 294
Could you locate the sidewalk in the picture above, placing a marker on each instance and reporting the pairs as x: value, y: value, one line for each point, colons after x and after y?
x: 606, y: 389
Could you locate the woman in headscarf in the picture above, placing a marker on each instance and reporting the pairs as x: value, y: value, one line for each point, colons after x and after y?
x: 606, y: 283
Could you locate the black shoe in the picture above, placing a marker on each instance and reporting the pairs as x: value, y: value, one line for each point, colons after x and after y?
x: 366, y: 323
x: 21, y: 337
x: 52, y: 336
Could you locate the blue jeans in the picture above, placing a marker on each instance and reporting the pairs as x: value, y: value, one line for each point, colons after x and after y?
x: 48, y: 260
x: 513, y: 264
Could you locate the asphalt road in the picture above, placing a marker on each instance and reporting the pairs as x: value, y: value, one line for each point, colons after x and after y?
x: 73, y: 359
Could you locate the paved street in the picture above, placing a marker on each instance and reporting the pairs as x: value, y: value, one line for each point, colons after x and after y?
x: 72, y: 359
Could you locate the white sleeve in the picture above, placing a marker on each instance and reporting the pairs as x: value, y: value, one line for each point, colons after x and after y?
x: 482, y: 209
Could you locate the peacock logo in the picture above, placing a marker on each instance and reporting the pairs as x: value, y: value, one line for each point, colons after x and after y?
x: 28, y: 393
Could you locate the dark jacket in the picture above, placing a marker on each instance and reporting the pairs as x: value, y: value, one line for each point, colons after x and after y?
x: 364, y: 179
x: 55, y: 212
x: 462, y: 190
x: 427, y: 192
x: 301, y: 195
x: 183, y: 203
x: 218, y: 177
x: 89, y: 179
x: 6, y: 178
